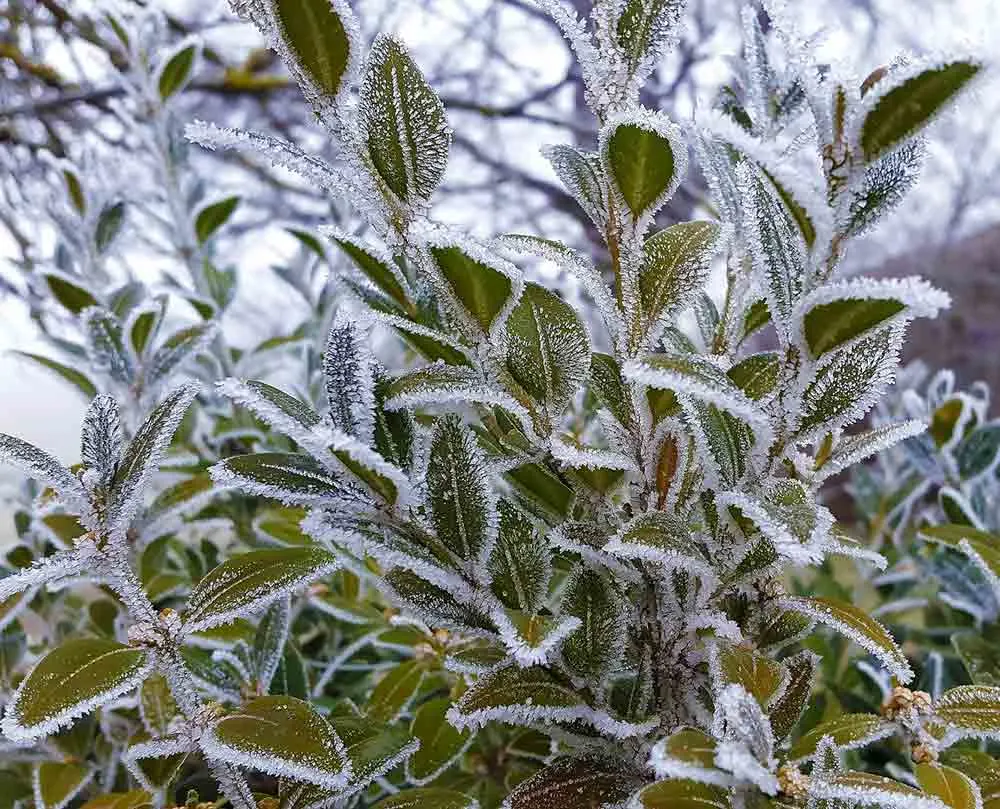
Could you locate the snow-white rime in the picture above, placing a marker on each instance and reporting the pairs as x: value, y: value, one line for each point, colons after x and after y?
x: 594, y: 520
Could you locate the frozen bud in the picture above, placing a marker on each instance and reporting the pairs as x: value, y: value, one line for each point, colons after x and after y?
x: 441, y: 635
x: 144, y: 634
x: 899, y: 703
x: 792, y: 782
x: 91, y: 479
x: 424, y: 651
x: 923, y: 703
x: 923, y: 753
x: 207, y: 714
x: 170, y: 620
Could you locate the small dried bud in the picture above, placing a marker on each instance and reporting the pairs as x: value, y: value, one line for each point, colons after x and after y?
x: 441, y: 635
x: 424, y: 651
x: 899, y: 704
x: 923, y: 703
x: 923, y: 754
x: 792, y: 782
x: 208, y: 713
x: 389, y: 613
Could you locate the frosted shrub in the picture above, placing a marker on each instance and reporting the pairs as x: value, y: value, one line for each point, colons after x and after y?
x: 582, y: 539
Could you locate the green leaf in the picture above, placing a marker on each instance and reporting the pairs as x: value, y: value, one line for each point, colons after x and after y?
x: 690, y: 747
x: 981, y: 547
x: 977, y: 453
x: 60, y: 782
x: 481, y: 290
x: 583, y: 176
x: 291, y: 677
x: 682, y: 794
x: 402, y: 122
x: 641, y: 161
x: 548, y: 352
x: 393, y: 692
x: 756, y: 318
x: 792, y: 702
x: 859, y: 627
x: 214, y: 216
x: 848, y: 731
x: 676, y: 263
x: 778, y: 250
x: 874, y: 790
x: 575, y: 783
x: 281, y: 736
x: 956, y: 789
x: 460, y: 494
x: 643, y: 28
x: 248, y: 582
x: 832, y: 324
x: 596, y: 646
x: 72, y: 296
x: 109, y: 224
x: 290, y: 477
x: 980, y: 652
x: 757, y: 375
x: 319, y: 35
x: 377, y: 268
x: 178, y: 347
x: 519, y: 564
x: 662, y: 538
x: 440, y: 743
x: 176, y: 72
x: 156, y: 704
x: 373, y: 748
x: 135, y: 799
x: 70, y: 681
x: 910, y: 105
x: 77, y: 379
x: 542, y: 491
x: 608, y: 385
x: 759, y: 675
x: 981, y: 768
x: 427, y: 798
x: 142, y: 457
x: 971, y: 709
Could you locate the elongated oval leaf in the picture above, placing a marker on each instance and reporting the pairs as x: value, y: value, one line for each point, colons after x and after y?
x: 971, y: 709
x: 482, y: 290
x: 440, y: 743
x: 214, y: 216
x: 831, y: 324
x: 59, y: 782
x: 572, y: 783
x: 956, y: 789
x: 394, y: 691
x: 249, y: 582
x: 642, y: 162
x: 320, y: 36
x: 682, y: 794
x: 428, y: 798
x: 403, y: 122
x: 70, y: 681
x: 293, y: 478
x: 177, y: 70
x: 282, y: 736
x: 907, y: 107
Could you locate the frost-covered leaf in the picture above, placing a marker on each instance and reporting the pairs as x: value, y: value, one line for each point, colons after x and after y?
x: 582, y: 175
x: 157, y: 705
x: 460, y: 494
x: 376, y: 265
x: 762, y: 677
x: 530, y: 638
x: 270, y: 641
x: 645, y: 160
x: 482, y: 287
x: 527, y: 695
x: 791, y: 703
x: 292, y: 478
x: 70, y: 681
x: 101, y: 441
x: 676, y: 263
x: 971, y: 710
x: 956, y: 789
x: 980, y: 654
x: 901, y: 110
x: 281, y: 736
x: 745, y: 741
x: 848, y: 731
x: 644, y: 27
x: 757, y: 375
x: 109, y: 225
x: 428, y: 798
x: 156, y: 763
x: 133, y: 799
x: 853, y: 449
x: 548, y: 349
x: 844, y: 389
x: 519, y: 564
x: 979, y: 451
x: 348, y: 370
x: 402, y: 122
x: 321, y: 40
x: 50, y: 568
x: 248, y: 582
x: 105, y: 344
x: 57, y: 783
x: 440, y: 743
x: 213, y: 216
x: 393, y: 692
x: 776, y: 245
x: 608, y: 385
x: 575, y: 783
x: 857, y: 625
x: 886, y: 182
x: 142, y: 456
x: 373, y: 748
x: 38, y: 464
x: 862, y: 789
x: 687, y: 753
x: 69, y: 294
x: 596, y: 647
x: 176, y: 348
x: 981, y: 547
x: 681, y: 794
x: 663, y: 539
